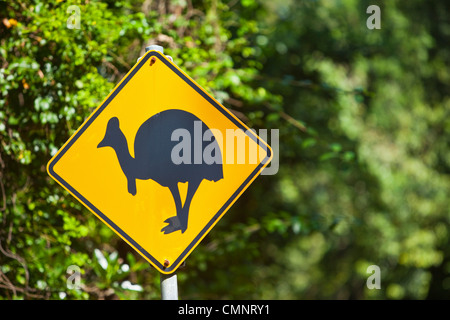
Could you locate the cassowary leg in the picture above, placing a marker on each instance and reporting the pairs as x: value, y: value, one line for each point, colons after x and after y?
x: 174, y: 223
x: 132, y: 186
x: 192, y: 188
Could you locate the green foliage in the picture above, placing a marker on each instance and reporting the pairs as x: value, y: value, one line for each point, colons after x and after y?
x: 371, y: 175
x: 364, y: 135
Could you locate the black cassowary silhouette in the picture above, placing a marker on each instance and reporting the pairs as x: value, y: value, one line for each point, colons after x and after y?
x: 153, y: 149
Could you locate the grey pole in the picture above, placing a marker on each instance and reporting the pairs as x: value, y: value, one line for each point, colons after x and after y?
x: 156, y: 48
x: 169, y: 286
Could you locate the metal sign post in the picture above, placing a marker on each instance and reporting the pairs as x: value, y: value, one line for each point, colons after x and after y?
x: 169, y: 286
x: 169, y: 283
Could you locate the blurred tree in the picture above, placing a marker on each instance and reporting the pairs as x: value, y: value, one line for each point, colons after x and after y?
x: 52, y: 76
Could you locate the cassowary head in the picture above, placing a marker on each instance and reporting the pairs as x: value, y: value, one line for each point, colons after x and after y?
x: 112, y: 129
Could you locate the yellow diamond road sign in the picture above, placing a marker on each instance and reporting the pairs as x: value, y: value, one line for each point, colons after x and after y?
x: 160, y: 161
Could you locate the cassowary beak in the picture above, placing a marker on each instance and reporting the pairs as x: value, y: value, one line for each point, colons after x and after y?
x: 113, y: 126
x: 102, y: 143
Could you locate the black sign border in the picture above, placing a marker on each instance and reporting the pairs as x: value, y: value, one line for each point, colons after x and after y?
x: 173, y: 266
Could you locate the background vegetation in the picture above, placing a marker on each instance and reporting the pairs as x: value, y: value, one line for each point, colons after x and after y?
x: 364, y: 145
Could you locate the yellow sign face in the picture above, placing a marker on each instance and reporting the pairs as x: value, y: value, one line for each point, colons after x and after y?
x: 160, y: 161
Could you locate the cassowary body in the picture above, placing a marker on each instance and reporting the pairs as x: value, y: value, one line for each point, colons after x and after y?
x: 153, y: 147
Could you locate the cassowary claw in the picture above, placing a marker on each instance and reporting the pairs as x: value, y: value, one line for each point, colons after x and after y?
x: 174, y: 225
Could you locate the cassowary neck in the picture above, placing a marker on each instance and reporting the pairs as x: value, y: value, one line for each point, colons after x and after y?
x: 126, y: 161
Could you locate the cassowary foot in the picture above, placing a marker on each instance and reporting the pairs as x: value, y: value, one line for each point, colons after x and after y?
x: 174, y: 225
